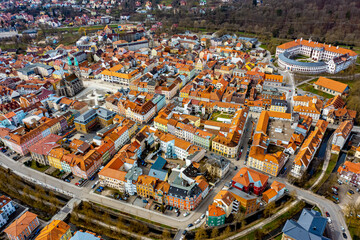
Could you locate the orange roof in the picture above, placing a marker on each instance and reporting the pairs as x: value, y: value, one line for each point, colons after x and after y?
x: 277, y: 186
x: 264, y: 119
x: 20, y: 224
x: 245, y: 175
x: 331, y: 84
x: 215, y: 211
x: 225, y: 196
x: 53, y: 231
x: 349, y: 167
x: 269, y: 194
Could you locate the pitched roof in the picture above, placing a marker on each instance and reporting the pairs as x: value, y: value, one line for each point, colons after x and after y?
x: 20, y: 224
x: 215, y: 211
x: 331, y: 84
x: 53, y: 231
x: 245, y: 176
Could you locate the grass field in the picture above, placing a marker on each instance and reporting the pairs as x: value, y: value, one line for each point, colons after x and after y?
x: 40, y: 167
x: 308, y: 87
x: 217, y: 115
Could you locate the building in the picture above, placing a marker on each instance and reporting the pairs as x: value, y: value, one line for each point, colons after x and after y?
x: 23, y: 226
x: 145, y: 186
x: 88, y: 120
x: 215, y: 216
x: 350, y: 173
x: 308, y: 149
x: 131, y: 179
x: 340, y: 136
x: 55, y: 230
x: 121, y: 75
x: 158, y: 169
x: 278, y: 105
x: 249, y: 180
x: 308, y: 106
x: 6, y: 209
x: 325, y: 58
x: 276, y: 190
x: 244, y: 201
x: 113, y: 175
x: 331, y: 86
x: 311, y: 225
x: 69, y: 86
x: 55, y: 156
x: 40, y: 151
x: 218, y: 167
x: 80, y: 235
x: 184, y: 195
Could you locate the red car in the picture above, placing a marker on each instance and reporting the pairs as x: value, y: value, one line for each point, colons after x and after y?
x: 327, y: 214
x: 77, y: 184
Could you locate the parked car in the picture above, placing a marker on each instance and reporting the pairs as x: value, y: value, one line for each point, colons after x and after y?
x: 197, y: 221
x: 329, y: 220
x: 342, y: 229
x: 67, y: 180
x: 184, y: 232
x: 344, y: 235
x: 178, y: 214
x: 327, y: 214
x: 340, y: 182
x: 351, y: 192
x: 190, y: 225
x: 235, y: 168
x: 186, y: 214
x: 92, y: 178
x: 93, y: 186
x: 202, y: 216
x: 77, y: 184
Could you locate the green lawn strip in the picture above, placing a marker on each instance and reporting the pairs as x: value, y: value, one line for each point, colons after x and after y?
x: 316, y: 208
x: 41, y: 168
x: 329, y: 169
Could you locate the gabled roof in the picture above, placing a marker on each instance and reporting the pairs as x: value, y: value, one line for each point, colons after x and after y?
x: 53, y: 231
x: 20, y: 224
x: 245, y: 176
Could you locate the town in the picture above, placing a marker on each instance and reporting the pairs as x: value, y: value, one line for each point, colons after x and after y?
x: 128, y: 134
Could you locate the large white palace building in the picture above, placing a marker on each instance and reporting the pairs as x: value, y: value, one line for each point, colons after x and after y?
x: 326, y: 58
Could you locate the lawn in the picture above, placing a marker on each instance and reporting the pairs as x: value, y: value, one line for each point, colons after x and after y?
x: 310, y: 88
x: 330, y: 168
x: 316, y: 208
x: 38, y: 167
x: 354, y: 227
x: 217, y: 115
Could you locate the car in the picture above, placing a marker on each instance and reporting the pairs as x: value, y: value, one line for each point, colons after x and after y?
x: 336, y: 198
x: 289, y: 90
x: 358, y: 190
x: 67, y: 180
x: 202, y: 216
x: 186, y: 214
x: 190, y: 225
x: 178, y: 214
x: 72, y: 177
x: 182, y: 237
x: 77, y: 184
x: 92, y: 178
x: 329, y: 220
x: 235, y: 168
x: 339, y: 182
x: 350, y: 192
x: 336, y: 193
x: 184, y: 232
x: 176, y: 210
x: 197, y: 221
x: 344, y: 235
x: 334, y: 188
x: 327, y: 214
x: 93, y: 186
x: 342, y: 229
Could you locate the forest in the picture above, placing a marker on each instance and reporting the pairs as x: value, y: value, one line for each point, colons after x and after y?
x: 335, y: 21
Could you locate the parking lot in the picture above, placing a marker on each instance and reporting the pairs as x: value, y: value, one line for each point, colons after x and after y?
x: 345, y: 197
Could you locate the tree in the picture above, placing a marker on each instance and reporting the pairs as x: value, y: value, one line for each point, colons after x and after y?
x: 226, y: 232
x: 259, y: 233
x: 269, y: 209
x: 201, y: 234
x: 238, y: 217
x: 215, y: 233
x: 166, y: 234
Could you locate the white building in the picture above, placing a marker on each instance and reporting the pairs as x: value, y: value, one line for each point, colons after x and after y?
x: 6, y: 209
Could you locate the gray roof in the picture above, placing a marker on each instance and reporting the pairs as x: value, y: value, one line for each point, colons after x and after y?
x: 133, y: 173
x: 310, y: 226
x: 158, y: 173
x: 182, y: 192
x: 104, y: 113
x: 285, y: 56
x: 86, y: 115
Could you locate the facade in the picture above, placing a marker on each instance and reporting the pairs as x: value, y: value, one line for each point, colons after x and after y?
x: 22, y: 227
x: 55, y: 230
x: 331, y: 86
x: 121, y: 75
x: 69, y: 86
x: 249, y: 180
x: 340, y: 136
x: 92, y: 117
x: 349, y: 173
x: 145, y: 186
x: 326, y: 58
x: 215, y: 216
x: 308, y: 106
x: 6, y: 209
x: 40, y: 151
x: 276, y: 191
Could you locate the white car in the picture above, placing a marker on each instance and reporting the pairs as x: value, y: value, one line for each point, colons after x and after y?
x: 186, y: 214
x: 202, y: 216
x: 329, y: 220
x: 197, y: 221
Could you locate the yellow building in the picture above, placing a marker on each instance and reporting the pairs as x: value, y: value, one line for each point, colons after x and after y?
x: 161, y: 123
x: 278, y: 105
x: 56, y: 230
x: 55, y: 156
x: 270, y: 163
x: 145, y: 186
